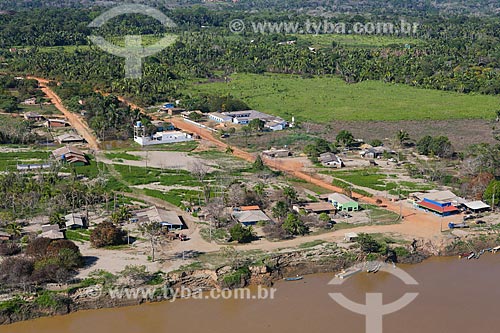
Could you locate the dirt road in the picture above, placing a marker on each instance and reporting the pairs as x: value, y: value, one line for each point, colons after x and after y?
x: 75, y: 120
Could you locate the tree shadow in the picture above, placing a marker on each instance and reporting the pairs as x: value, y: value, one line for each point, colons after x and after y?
x: 191, y: 254
x: 89, y: 261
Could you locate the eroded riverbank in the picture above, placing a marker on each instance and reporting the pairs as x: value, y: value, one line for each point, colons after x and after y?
x: 454, y: 296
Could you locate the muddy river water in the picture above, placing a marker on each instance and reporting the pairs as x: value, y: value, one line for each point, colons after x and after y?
x: 454, y: 296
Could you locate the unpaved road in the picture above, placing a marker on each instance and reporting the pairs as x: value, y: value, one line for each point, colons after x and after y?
x: 75, y: 120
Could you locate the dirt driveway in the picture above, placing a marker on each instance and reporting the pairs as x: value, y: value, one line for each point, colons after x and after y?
x: 75, y: 120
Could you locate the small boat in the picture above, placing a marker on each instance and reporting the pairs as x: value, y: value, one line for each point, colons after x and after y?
x: 347, y: 273
x: 374, y: 269
x: 472, y: 255
x: 295, y: 278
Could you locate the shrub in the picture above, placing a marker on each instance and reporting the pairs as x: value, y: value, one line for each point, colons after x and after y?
x: 401, y: 252
x: 275, y: 231
x: 37, y: 248
x: 53, y: 259
x: 136, y: 274
x: 294, y: 225
x: 236, y: 278
x: 14, y: 271
x: 107, y: 234
x: 241, y: 234
x: 9, y: 249
x: 368, y: 243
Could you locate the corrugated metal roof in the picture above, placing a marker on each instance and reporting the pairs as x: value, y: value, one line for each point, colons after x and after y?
x: 251, y: 216
x: 245, y: 208
x: 340, y: 198
x: 475, y: 205
x: 438, y: 209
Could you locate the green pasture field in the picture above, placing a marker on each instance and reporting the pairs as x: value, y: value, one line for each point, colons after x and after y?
x: 327, y: 98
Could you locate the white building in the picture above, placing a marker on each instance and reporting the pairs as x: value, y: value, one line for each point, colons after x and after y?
x: 219, y: 117
x: 245, y: 117
x: 159, y: 137
x: 163, y: 137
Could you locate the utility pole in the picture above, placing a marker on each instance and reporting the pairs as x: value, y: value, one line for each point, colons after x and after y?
x: 493, y: 201
x: 400, y: 204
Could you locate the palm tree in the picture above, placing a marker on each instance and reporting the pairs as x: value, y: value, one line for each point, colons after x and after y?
x: 14, y: 229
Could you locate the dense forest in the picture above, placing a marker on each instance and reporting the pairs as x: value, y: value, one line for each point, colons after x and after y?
x: 451, y: 53
x: 457, y: 54
x: 405, y: 7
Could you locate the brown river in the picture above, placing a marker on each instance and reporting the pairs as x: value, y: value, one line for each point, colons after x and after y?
x: 454, y: 296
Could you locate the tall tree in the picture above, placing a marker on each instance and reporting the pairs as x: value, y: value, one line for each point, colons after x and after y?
x: 345, y: 138
x: 153, y: 231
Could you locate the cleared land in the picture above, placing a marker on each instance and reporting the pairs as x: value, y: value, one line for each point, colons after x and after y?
x: 325, y: 99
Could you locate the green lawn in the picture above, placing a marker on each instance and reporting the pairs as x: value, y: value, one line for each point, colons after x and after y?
x: 78, y: 235
x: 123, y: 156
x: 175, y: 196
x: 328, y: 98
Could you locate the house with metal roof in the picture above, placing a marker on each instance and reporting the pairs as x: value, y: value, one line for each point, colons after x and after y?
x: 250, y: 217
x: 69, y: 138
x: 351, y: 237
x: 276, y: 153
x: 52, y: 234
x: 316, y: 207
x: 438, y: 207
x: 477, y: 206
x: 75, y: 221
x: 271, y: 122
x: 70, y: 154
x: 331, y: 160
x: 166, y: 218
x: 343, y: 202
x: 33, y: 116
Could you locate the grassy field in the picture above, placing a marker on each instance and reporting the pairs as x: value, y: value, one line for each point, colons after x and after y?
x: 325, y: 99
x: 9, y: 160
x: 43, y: 109
x: 372, y: 179
x: 364, y: 41
x: 117, y: 40
x: 123, y: 156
